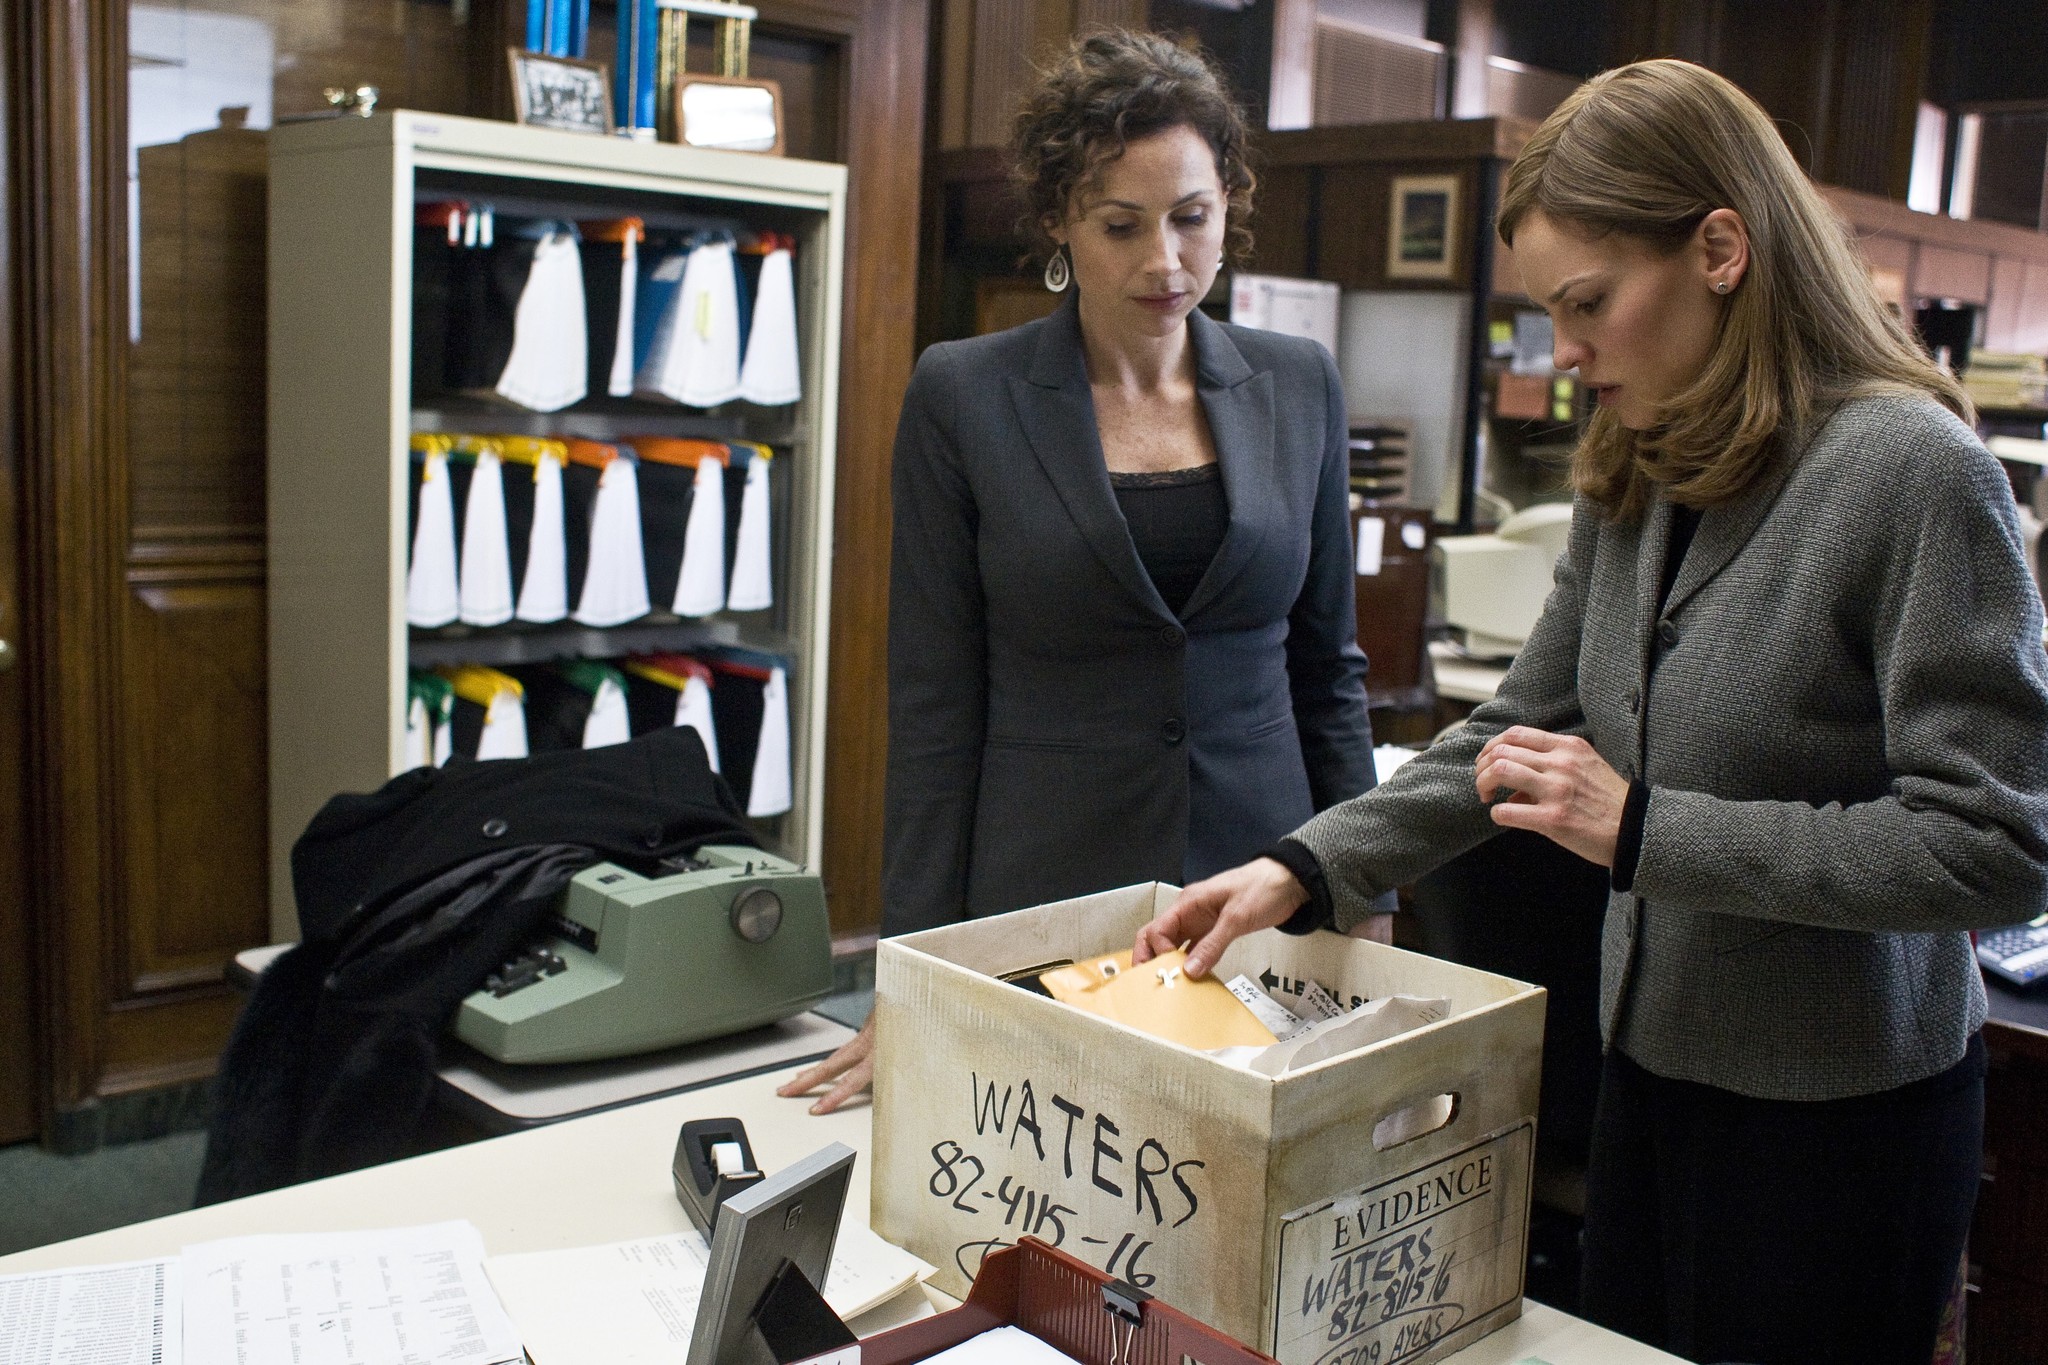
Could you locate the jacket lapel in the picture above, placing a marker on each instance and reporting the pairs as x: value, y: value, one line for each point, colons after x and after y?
x: 1057, y: 412
x: 1723, y: 531
x: 1239, y: 404
x: 1650, y: 551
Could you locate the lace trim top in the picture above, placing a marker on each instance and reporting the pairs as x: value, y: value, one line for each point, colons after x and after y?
x: 1177, y: 519
x: 1167, y: 478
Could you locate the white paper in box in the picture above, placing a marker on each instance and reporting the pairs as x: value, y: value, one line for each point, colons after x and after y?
x: 1260, y: 1205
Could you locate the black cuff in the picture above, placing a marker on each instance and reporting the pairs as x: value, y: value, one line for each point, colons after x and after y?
x: 1315, y: 913
x: 1628, y: 843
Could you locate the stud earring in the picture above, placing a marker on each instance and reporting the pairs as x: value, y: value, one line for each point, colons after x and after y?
x: 1058, y: 273
x: 1720, y: 286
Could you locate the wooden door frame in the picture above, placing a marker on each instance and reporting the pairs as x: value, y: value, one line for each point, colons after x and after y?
x: 102, y: 1030
x: 20, y: 1056
x: 67, y: 216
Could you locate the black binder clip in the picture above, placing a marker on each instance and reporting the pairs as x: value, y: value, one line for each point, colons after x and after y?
x: 713, y: 1162
x: 1125, y: 1303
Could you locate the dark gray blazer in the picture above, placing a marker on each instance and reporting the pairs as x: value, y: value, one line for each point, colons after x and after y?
x: 1054, y: 730
x: 1842, y: 715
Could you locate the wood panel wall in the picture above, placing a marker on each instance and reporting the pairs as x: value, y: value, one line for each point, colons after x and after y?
x: 987, y: 52
x: 1998, y: 266
x: 141, y: 497
x: 1843, y: 79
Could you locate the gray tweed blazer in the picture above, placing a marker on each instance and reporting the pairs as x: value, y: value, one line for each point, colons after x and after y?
x: 1842, y: 716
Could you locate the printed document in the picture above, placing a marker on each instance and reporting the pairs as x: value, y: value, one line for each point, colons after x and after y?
x: 633, y: 1302
x: 100, y: 1315
x: 403, y: 1296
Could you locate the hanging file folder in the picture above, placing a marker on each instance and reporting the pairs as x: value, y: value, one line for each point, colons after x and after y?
x: 683, y: 522
x: 549, y: 362
x: 489, y: 718
x: 693, y: 350
x: 750, y: 576
x: 486, y: 559
x: 429, y: 720
x: 672, y: 689
x: 771, y: 374
x: 578, y: 704
x: 601, y: 527
x: 751, y: 708
x: 432, y: 592
x: 534, y: 526
x: 611, y: 257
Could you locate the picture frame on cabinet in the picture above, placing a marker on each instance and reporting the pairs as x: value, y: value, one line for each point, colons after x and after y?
x: 729, y: 113
x: 564, y: 93
x: 1422, y: 227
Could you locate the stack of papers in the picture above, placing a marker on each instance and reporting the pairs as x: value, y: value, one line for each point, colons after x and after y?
x: 405, y: 1296
x: 413, y: 1296
x: 636, y: 1301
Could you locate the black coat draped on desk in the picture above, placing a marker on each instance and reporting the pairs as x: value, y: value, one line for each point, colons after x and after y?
x: 408, y: 897
x: 1053, y: 728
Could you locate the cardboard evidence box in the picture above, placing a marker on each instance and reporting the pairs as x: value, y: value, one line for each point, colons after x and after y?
x: 1303, y: 1214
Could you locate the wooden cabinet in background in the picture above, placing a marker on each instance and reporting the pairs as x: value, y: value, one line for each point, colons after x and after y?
x: 2008, y: 1301
x: 1392, y: 583
x: 140, y: 478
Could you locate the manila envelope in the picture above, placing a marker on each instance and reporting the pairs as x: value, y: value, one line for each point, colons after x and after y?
x: 1157, y: 997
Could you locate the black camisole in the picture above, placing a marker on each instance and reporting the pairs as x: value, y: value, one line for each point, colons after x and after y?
x: 1177, y: 519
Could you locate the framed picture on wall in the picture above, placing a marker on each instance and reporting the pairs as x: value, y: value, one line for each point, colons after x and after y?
x: 1422, y: 227
x: 560, y: 92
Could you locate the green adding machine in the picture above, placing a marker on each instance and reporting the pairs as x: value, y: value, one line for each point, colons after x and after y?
x: 737, y: 939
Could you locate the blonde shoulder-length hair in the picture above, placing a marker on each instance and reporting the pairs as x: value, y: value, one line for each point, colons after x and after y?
x: 1648, y: 151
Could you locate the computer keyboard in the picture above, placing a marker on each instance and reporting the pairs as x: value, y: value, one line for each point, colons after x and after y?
x: 2018, y: 954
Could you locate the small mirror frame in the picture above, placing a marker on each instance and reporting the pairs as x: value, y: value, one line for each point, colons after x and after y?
x: 686, y: 79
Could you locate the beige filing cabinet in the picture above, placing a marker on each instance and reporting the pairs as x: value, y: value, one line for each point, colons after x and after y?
x: 341, y: 412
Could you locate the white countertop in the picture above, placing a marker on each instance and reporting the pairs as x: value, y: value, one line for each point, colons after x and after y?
x: 605, y: 1178
x: 1464, y: 679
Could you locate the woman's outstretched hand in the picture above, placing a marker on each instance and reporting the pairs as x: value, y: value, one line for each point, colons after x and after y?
x: 1213, y: 913
x: 1556, y: 785
x: 851, y: 1070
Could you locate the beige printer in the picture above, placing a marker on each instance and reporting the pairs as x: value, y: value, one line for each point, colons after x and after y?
x: 1494, y: 586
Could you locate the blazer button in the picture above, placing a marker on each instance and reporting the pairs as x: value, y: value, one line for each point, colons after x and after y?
x: 1635, y: 702
x: 1174, y: 731
x: 495, y: 828
x: 1173, y: 637
x: 1667, y: 632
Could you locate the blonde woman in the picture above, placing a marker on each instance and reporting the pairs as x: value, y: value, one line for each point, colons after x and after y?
x: 1790, y: 689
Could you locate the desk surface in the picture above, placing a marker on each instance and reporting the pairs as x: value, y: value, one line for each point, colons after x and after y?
x: 2027, y: 1009
x: 1463, y: 679
x: 605, y: 1179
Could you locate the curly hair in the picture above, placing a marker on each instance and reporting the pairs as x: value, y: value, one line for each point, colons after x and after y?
x: 1110, y: 88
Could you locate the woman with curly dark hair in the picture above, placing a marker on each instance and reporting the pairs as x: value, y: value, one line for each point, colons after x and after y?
x: 1121, y: 631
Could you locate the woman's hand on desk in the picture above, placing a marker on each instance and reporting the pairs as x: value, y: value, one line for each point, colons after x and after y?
x: 851, y: 1070
x: 1556, y: 785
x: 1215, y: 912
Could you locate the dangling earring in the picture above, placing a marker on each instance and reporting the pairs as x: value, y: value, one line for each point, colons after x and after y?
x: 1058, y: 274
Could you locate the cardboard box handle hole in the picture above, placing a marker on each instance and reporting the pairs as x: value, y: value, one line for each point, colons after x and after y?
x: 1413, y: 1121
